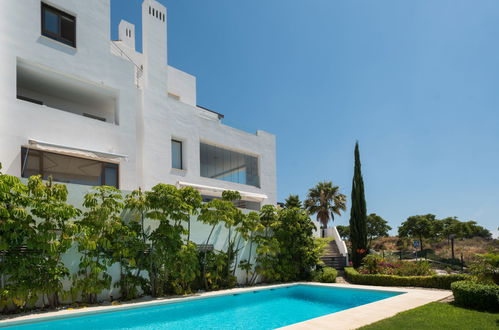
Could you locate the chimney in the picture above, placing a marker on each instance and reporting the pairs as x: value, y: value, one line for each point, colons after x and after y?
x: 126, y: 33
x: 154, y: 44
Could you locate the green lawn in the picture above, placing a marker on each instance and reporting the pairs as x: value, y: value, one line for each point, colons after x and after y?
x: 439, y: 316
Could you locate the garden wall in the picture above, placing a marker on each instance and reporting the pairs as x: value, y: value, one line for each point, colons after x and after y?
x: 199, y: 234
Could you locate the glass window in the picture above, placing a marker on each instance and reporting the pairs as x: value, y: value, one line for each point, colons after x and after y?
x: 227, y: 165
x: 69, y: 169
x: 51, y: 21
x: 242, y: 204
x: 67, y: 28
x: 177, y: 154
x: 111, y: 175
x: 58, y: 25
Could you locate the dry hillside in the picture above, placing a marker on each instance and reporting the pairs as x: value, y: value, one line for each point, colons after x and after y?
x: 468, y: 246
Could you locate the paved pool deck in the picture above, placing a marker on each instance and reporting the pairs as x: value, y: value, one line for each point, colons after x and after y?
x: 348, y: 319
x: 357, y: 317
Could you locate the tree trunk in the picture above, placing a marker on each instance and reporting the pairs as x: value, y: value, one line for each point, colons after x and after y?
x: 249, y: 258
x: 204, y: 258
x: 237, y: 255
x: 229, y: 253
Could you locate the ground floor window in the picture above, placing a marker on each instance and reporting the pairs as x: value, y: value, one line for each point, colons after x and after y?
x: 242, y: 204
x: 68, y: 169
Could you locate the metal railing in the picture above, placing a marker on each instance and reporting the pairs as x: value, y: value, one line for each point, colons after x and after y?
x: 139, y: 71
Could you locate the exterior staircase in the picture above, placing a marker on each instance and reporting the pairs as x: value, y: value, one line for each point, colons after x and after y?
x: 332, y: 258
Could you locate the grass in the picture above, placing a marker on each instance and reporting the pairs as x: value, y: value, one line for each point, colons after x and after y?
x: 439, y: 316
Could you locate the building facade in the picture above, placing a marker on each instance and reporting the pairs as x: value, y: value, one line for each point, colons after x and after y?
x: 85, y: 109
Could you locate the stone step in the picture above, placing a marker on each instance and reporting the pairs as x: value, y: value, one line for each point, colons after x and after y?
x: 337, y: 262
x: 331, y: 256
x: 338, y: 258
x: 330, y: 251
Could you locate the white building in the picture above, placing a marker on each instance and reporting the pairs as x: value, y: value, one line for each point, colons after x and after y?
x: 88, y: 110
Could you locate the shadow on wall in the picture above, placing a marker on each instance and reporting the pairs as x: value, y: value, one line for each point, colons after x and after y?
x: 56, y: 45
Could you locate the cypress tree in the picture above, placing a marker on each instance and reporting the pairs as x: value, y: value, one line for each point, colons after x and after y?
x: 358, y: 214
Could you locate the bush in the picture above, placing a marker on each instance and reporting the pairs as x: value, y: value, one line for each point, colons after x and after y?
x: 375, y: 264
x: 414, y: 268
x: 485, y: 268
x: 475, y: 295
x: 288, y: 252
x: 433, y: 281
x: 371, y: 264
x: 328, y: 275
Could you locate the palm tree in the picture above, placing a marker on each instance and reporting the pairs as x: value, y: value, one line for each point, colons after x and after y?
x: 325, y: 200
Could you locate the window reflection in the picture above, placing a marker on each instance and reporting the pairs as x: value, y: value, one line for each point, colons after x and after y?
x: 177, y: 154
x: 227, y: 165
x: 69, y: 169
x: 242, y: 204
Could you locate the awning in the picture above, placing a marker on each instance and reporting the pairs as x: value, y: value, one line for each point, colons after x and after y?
x: 73, y: 151
x: 216, y: 191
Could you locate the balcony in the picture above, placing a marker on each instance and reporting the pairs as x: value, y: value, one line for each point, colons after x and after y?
x: 45, y: 87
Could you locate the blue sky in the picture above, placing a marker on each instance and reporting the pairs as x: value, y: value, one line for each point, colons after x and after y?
x: 416, y: 82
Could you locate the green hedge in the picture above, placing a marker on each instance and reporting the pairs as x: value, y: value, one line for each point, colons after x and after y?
x: 475, y: 295
x: 434, y: 281
x: 328, y: 275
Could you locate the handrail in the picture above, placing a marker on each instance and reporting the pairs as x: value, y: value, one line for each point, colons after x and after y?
x: 123, y: 53
x: 140, y: 70
x: 342, y: 247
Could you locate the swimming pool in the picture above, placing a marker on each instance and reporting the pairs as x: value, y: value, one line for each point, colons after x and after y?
x: 259, y: 309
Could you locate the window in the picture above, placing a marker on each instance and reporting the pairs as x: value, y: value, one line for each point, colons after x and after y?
x: 227, y: 165
x: 177, y: 154
x: 38, y: 84
x: 68, y: 169
x: 242, y: 204
x: 58, y: 25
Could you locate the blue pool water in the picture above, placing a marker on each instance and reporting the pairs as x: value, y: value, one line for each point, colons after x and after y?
x: 263, y: 309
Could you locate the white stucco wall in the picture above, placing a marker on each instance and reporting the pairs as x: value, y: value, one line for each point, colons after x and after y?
x: 147, y: 118
x: 91, y: 61
x: 182, y: 85
x: 199, y: 234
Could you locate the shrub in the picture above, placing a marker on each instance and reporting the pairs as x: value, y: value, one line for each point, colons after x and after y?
x: 328, y: 275
x: 371, y: 264
x: 414, y: 268
x: 476, y: 295
x: 375, y: 264
x: 216, y: 276
x: 433, y: 281
x: 288, y: 252
x: 485, y: 268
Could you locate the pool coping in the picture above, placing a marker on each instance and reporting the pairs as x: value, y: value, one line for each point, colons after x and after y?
x: 359, y: 316
x: 347, y: 319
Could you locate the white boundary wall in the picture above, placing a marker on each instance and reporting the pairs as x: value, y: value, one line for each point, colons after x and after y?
x: 199, y: 234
